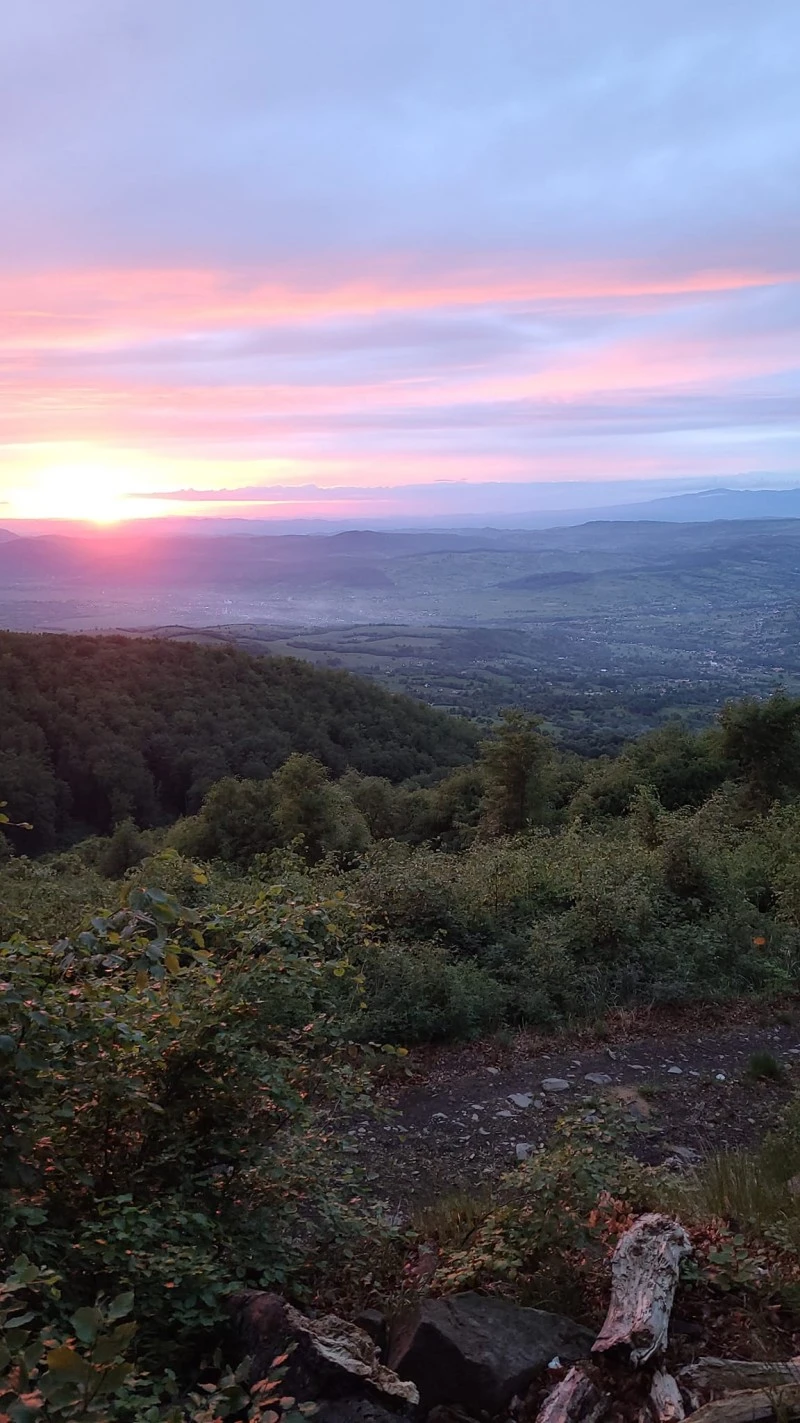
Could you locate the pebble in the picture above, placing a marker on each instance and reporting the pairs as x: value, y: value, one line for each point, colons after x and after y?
x: 495, y: 1071
x: 599, y: 1079
x: 675, y: 1071
x: 555, y: 1084
x: 523, y: 1150
x: 521, y: 1099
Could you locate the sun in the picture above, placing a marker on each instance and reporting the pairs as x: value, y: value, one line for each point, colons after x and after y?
x: 84, y: 492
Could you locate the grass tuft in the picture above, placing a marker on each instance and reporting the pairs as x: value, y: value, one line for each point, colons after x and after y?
x: 765, y: 1067
x: 451, y: 1220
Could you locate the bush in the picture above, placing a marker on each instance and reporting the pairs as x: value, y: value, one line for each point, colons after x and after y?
x: 417, y: 994
x: 125, y: 849
x: 161, y: 1075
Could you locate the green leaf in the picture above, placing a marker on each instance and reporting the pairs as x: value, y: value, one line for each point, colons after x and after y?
x: 86, y: 1323
x: 114, y: 1378
x: 64, y: 1363
x: 122, y: 1305
x: 112, y: 1345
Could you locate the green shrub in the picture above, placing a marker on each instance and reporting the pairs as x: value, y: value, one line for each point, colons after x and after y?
x: 418, y: 994
x: 161, y: 1074
x: 765, y: 1067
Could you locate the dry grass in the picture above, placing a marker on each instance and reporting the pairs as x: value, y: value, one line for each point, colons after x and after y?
x: 745, y: 1189
x: 451, y: 1220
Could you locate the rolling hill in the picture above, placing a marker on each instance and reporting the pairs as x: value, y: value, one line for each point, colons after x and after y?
x: 95, y: 729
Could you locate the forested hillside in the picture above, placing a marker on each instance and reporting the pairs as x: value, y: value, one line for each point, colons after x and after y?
x: 96, y: 729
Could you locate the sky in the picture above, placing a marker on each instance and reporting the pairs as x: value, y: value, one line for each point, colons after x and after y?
x: 355, y: 255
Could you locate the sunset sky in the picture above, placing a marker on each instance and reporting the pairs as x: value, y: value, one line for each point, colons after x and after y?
x: 317, y: 257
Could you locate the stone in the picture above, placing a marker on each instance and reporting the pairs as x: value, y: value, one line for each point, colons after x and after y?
x: 521, y: 1099
x: 331, y: 1359
x: 675, y: 1071
x: 523, y: 1150
x: 555, y: 1084
x: 687, y: 1154
x: 479, y: 1351
x: 599, y: 1079
x: 376, y: 1326
x: 449, y: 1413
x: 354, y: 1410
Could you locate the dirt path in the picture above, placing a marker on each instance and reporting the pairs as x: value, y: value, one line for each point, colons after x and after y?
x: 466, y: 1118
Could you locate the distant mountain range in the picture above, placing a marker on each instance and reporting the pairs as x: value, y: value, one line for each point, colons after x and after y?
x: 702, y: 507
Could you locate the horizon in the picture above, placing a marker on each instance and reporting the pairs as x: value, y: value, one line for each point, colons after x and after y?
x: 372, y: 265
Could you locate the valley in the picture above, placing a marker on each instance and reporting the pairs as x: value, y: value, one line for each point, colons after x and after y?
x: 605, y: 629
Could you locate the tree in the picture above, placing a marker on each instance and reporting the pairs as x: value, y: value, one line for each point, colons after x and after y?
x: 762, y: 740
x: 236, y: 822
x: 310, y: 809
x: 514, y: 762
x: 125, y: 849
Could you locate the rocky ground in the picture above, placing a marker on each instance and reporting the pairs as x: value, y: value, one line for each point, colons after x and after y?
x: 461, y: 1116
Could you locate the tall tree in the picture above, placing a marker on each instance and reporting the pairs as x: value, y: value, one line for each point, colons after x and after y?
x: 515, y: 760
x: 762, y: 739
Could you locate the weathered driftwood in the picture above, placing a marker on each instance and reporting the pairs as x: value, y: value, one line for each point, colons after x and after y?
x: 644, y: 1276
x: 710, y: 1375
x: 665, y: 1401
x: 752, y: 1406
x: 575, y: 1400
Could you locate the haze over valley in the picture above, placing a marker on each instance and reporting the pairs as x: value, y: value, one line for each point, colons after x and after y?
x: 606, y: 627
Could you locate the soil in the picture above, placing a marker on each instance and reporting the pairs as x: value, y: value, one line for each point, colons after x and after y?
x: 452, y: 1123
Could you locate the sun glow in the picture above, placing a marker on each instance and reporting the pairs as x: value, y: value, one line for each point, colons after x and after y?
x: 84, y: 492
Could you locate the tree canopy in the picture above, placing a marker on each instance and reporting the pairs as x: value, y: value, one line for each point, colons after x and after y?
x: 96, y: 729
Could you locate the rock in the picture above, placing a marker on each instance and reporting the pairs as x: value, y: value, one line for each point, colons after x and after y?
x: 332, y: 1359
x: 555, y: 1084
x: 675, y: 1071
x: 376, y: 1326
x: 674, y: 1163
x: 354, y: 1410
x: 521, y: 1099
x: 523, y: 1150
x: 687, y: 1154
x: 479, y: 1351
x: 449, y: 1413
x: 599, y: 1079
x: 634, y: 1103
